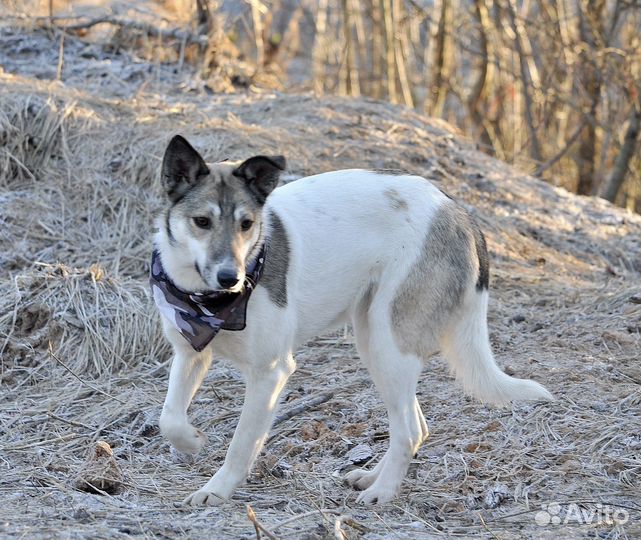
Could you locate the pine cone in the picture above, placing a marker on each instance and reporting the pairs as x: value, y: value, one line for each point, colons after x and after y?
x: 100, y: 473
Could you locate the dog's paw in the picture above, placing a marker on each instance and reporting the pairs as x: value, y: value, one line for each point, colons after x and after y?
x: 376, y: 495
x: 203, y: 498
x: 184, y: 437
x: 190, y: 441
x: 360, y: 479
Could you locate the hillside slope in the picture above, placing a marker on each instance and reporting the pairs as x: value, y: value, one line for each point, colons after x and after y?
x: 79, y: 162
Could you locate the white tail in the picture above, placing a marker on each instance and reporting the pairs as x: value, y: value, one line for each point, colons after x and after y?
x: 467, y: 349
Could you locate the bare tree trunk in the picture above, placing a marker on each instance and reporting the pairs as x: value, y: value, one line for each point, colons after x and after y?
x: 389, y: 51
x: 441, y: 53
x: 352, y: 86
x: 203, y: 16
x: 474, y: 99
x: 397, y: 14
x: 611, y: 187
x: 281, y: 34
x: 258, y: 33
x: 376, y: 88
x: 526, y: 84
x: 566, y: 84
x: 319, y: 53
x: 591, y: 30
x: 361, y: 42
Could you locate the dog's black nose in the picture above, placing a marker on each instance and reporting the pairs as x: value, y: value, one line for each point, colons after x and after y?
x: 227, y: 278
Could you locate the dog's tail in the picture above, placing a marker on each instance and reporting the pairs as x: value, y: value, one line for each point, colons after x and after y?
x: 467, y: 348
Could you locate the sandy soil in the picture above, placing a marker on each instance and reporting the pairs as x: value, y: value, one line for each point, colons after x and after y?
x: 83, y: 359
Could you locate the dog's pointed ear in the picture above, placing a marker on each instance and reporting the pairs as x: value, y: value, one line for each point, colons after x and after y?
x: 261, y: 174
x: 182, y: 168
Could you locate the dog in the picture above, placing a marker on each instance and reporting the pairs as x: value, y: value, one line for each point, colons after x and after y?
x: 265, y: 268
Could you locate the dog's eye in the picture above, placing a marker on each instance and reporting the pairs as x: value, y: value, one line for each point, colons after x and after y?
x: 202, y: 222
x: 246, y: 224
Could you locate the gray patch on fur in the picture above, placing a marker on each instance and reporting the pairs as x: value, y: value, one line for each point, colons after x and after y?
x: 391, y: 172
x: 483, y: 281
x: 274, y: 277
x: 396, y: 201
x: 436, y: 286
x: 170, y: 235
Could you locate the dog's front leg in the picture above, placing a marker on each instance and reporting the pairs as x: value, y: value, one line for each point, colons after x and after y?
x: 188, y: 368
x: 263, y: 388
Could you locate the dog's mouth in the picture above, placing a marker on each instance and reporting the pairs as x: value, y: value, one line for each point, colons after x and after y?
x: 235, y: 289
x: 213, y: 284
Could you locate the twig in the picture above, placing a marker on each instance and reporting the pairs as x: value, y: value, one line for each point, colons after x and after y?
x: 351, y: 522
x: 339, y: 533
x: 545, y: 166
x: 95, y: 388
x: 62, y: 438
x: 486, y: 527
x: 61, y: 57
x: 170, y: 33
x: 258, y: 525
x: 297, y: 409
x: 292, y: 519
x: 70, y: 422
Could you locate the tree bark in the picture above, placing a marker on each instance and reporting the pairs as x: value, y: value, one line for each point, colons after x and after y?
x: 352, y: 85
x: 484, y: 74
x: 258, y: 33
x: 376, y: 87
x: 591, y: 31
x: 388, y: 21
x: 403, y: 77
x: 611, y: 187
x: 319, y: 52
x: 441, y: 53
x: 526, y: 84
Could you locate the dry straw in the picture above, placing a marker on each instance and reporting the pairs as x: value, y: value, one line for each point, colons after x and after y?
x: 83, y: 359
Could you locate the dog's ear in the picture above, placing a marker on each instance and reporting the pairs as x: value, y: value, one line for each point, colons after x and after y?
x: 261, y: 174
x: 182, y: 168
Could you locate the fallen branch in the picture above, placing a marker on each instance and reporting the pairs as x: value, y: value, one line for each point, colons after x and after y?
x: 258, y: 526
x: 164, y: 33
x: 339, y: 533
x: 298, y: 517
x: 94, y: 388
x: 297, y: 409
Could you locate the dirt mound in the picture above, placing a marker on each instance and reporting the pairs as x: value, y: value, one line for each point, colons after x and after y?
x: 83, y: 359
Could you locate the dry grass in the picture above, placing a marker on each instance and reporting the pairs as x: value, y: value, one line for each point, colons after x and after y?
x: 83, y: 360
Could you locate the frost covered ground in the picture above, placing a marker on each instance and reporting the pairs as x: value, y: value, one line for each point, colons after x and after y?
x: 79, y: 160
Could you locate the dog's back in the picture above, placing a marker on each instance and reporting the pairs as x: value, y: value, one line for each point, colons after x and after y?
x: 350, y: 231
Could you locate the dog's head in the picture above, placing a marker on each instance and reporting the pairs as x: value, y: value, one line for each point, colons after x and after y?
x: 213, y: 221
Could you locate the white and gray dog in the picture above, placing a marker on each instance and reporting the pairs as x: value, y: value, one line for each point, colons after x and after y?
x: 389, y: 253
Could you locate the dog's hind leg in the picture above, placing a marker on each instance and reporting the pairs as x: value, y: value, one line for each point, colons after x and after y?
x: 363, y: 478
x: 188, y: 368
x: 396, y: 376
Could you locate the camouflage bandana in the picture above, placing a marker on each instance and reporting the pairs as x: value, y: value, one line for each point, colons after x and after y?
x: 200, y: 316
